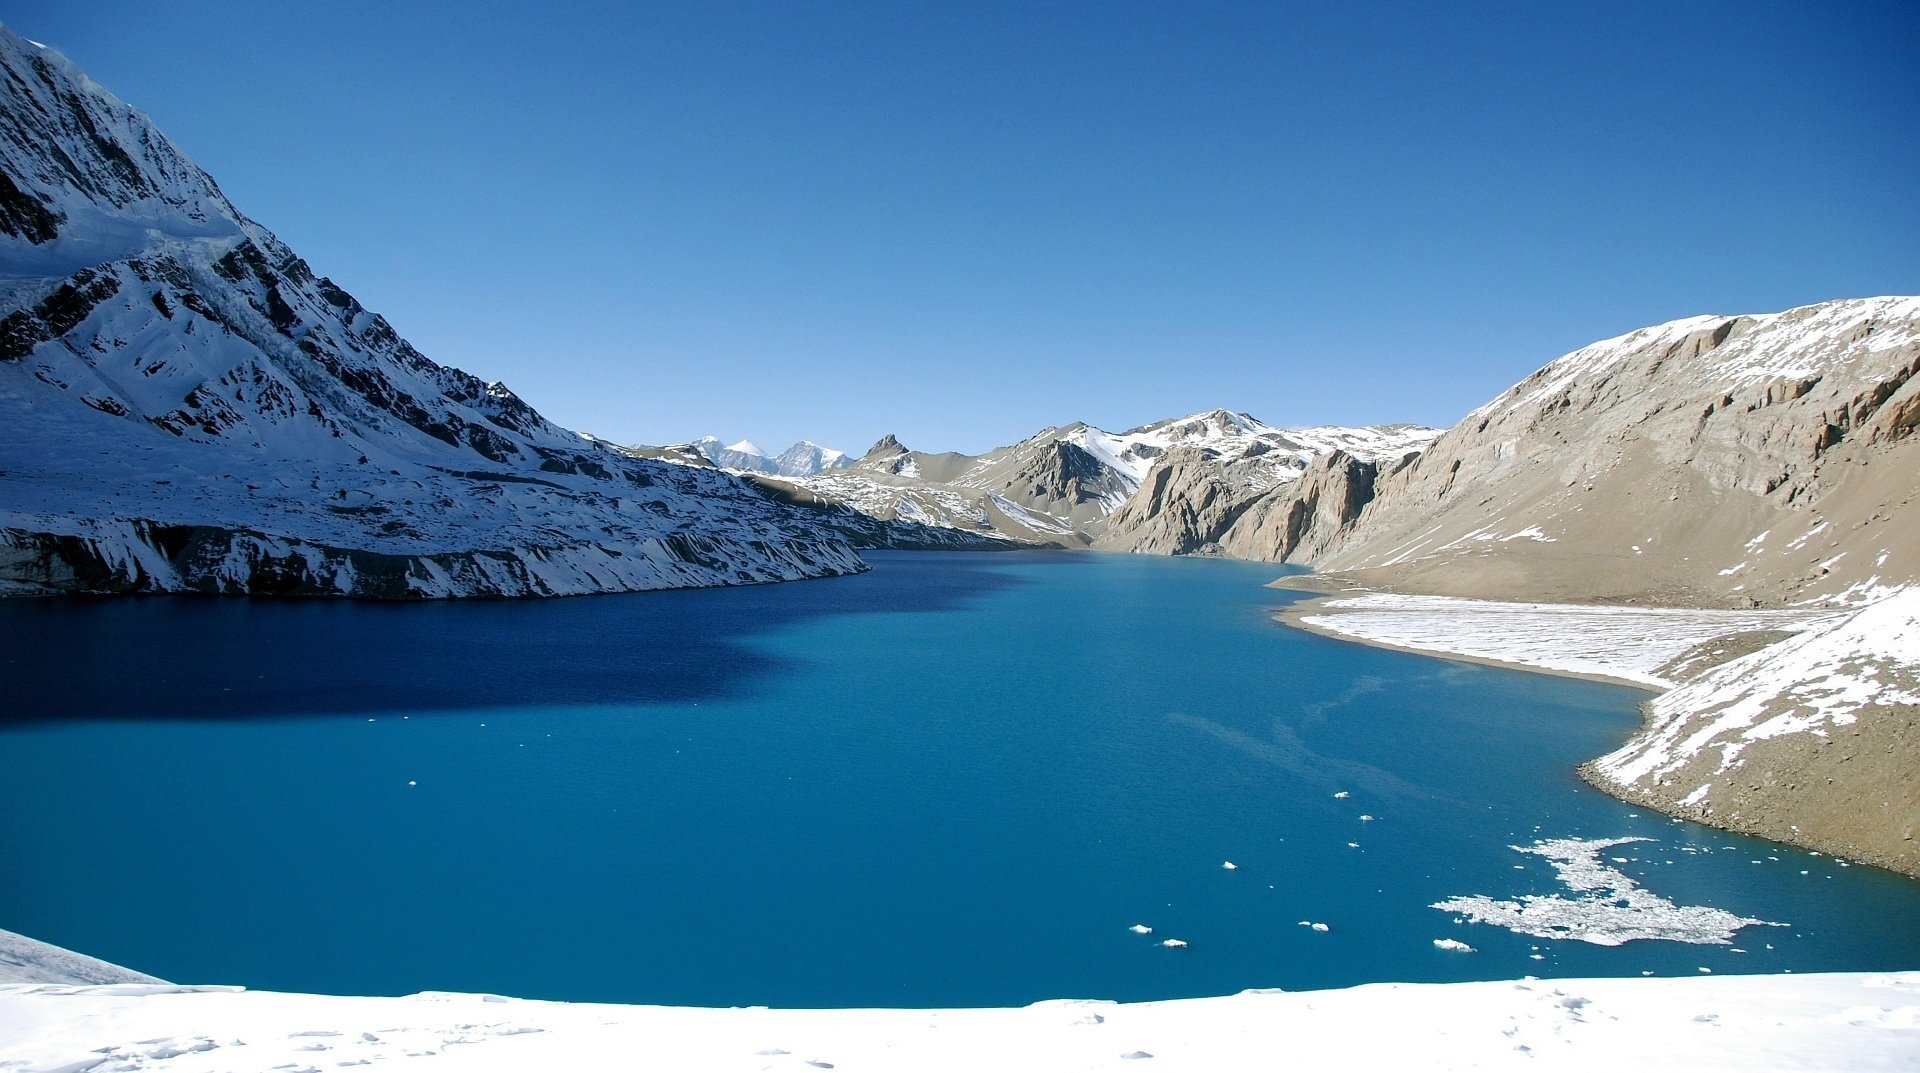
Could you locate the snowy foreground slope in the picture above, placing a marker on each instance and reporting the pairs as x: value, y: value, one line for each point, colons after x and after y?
x: 1858, y: 1021
x: 1798, y: 725
x: 186, y: 406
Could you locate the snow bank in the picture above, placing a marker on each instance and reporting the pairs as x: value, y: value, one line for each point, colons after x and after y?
x: 1858, y: 1021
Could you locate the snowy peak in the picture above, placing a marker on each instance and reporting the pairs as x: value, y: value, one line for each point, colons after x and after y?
x: 97, y: 182
x: 806, y: 458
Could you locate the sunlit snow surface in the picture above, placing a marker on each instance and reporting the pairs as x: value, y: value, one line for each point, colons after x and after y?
x: 1607, y: 907
x: 1853, y: 1021
x: 1627, y: 643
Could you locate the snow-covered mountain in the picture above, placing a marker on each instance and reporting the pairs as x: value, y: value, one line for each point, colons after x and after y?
x: 1063, y: 485
x: 185, y: 405
x: 803, y: 459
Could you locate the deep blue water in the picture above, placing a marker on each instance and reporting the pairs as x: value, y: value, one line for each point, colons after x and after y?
x: 955, y: 780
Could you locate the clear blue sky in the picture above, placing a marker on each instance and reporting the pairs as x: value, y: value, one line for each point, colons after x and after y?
x: 963, y: 222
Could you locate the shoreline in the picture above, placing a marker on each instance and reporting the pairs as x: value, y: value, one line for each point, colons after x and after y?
x: 1678, y: 760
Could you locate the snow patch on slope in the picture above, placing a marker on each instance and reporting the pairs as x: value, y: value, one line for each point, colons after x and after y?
x: 1808, y: 684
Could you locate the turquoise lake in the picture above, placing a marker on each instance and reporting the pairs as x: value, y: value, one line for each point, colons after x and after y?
x: 956, y: 780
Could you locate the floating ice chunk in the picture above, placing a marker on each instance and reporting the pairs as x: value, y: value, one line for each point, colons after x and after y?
x: 1229, y: 866
x: 1141, y: 929
x: 1364, y: 818
x: 1174, y: 944
x: 1341, y: 796
x: 1453, y: 944
x: 1607, y: 908
x: 1353, y: 845
x: 410, y: 782
x: 1315, y: 925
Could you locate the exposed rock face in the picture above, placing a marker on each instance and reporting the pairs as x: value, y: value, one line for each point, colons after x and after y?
x: 1194, y: 503
x: 1714, y: 460
x: 186, y: 406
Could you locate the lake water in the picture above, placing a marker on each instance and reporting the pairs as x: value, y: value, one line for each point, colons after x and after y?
x: 956, y: 780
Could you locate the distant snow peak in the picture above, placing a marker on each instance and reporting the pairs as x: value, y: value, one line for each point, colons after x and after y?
x: 803, y: 459
x: 1606, y: 907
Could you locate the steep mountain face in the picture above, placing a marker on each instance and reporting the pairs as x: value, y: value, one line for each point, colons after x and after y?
x: 1710, y: 461
x: 1075, y: 486
x: 186, y: 406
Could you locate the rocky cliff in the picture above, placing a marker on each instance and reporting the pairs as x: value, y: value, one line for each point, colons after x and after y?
x: 186, y: 406
x: 1196, y: 502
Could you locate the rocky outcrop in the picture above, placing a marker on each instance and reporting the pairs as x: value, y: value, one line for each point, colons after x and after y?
x: 186, y: 406
x: 1193, y: 503
x: 1186, y: 504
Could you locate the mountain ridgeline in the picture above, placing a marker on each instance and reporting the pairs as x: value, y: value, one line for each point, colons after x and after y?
x: 186, y: 406
x: 1078, y: 485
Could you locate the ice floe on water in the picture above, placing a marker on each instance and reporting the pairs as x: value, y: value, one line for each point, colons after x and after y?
x: 1607, y: 907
